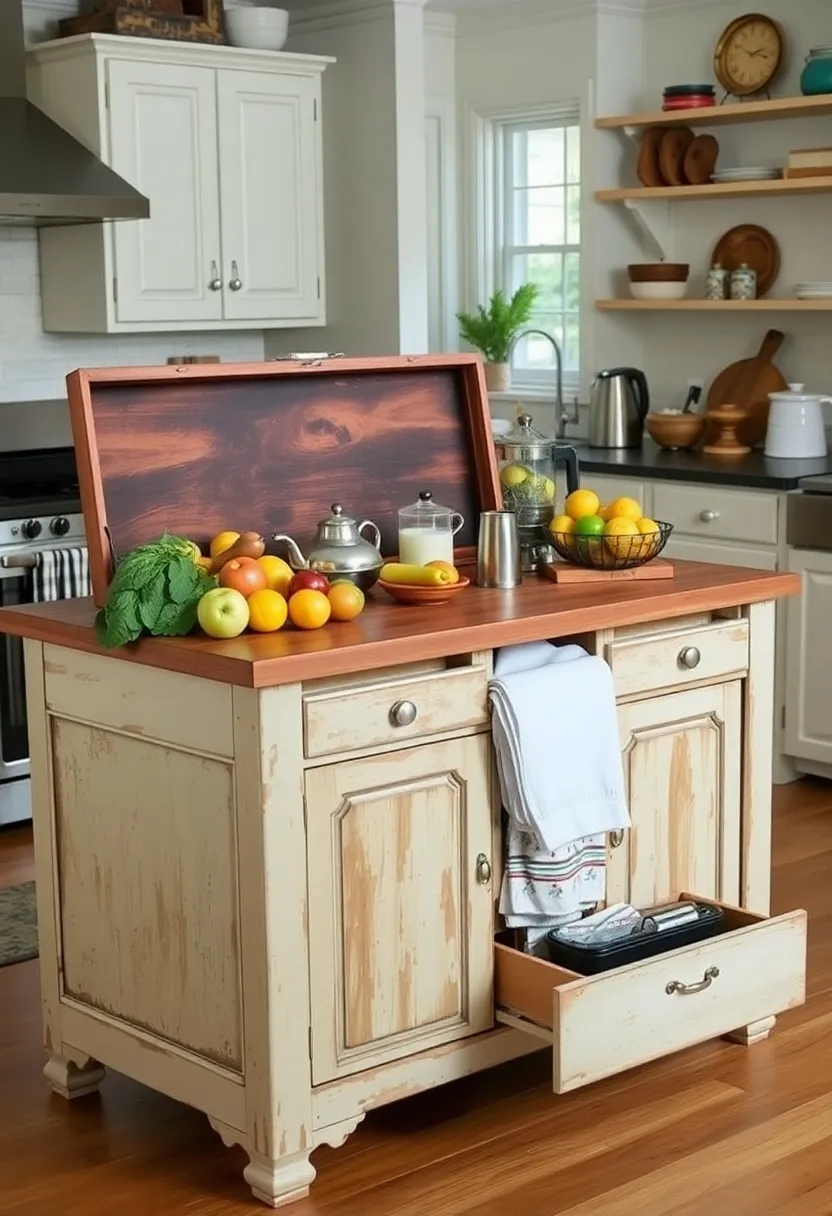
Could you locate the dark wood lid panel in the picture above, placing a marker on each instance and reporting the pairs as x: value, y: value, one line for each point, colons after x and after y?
x: 270, y: 447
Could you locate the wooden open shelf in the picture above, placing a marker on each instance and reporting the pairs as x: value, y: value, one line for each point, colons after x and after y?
x: 776, y: 186
x: 694, y: 305
x: 746, y: 111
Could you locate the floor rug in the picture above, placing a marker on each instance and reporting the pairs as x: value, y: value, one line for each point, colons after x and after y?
x: 18, y: 924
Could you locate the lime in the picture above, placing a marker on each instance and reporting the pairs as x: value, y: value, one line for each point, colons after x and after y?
x: 589, y: 525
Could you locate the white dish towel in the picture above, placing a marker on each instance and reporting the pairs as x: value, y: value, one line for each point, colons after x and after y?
x: 555, y: 733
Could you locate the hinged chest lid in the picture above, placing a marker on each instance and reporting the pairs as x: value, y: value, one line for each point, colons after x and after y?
x: 200, y: 448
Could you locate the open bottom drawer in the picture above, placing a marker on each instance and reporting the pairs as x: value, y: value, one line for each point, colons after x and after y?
x: 603, y: 1024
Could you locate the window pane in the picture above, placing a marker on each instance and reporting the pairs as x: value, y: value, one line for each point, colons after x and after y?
x: 572, y: 347
x: 518, y: 158
x: 544, y: 269
x: 539, y: 157
x: 573, y: 154
x: 573, y: 215
x: 572, y: 282
x: 539, y: 216
x: 535, y: 354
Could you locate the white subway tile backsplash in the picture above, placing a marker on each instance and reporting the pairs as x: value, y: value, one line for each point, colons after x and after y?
x: 34, y: 364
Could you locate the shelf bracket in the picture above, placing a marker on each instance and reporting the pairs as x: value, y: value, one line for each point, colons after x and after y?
x: 654, y: 221
x: 633, y: 133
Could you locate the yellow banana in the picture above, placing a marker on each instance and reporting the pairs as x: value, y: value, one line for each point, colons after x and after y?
x: 414, y: 576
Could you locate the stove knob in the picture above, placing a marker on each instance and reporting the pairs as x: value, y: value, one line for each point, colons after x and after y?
x: 31, y: 529
x: 59, y: 526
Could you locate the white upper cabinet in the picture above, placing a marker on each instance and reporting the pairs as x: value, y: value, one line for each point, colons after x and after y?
x: 226, y: 144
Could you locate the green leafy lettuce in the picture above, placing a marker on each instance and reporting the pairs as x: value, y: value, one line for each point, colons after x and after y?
x: 156, y: 590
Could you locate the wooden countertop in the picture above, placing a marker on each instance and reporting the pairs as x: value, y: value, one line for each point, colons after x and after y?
x: 387, y: 633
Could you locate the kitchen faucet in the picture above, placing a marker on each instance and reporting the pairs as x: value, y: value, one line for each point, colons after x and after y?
x: 562, y: 416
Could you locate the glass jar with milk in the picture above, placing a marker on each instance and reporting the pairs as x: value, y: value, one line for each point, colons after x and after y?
x: 426, y: 532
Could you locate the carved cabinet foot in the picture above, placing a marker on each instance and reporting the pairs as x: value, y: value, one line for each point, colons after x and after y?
x: 753, y: 1033
x: 73, y: 1078
x: 279, y: 1181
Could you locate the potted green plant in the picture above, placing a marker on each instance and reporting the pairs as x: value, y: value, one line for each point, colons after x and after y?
x: 492, y: 331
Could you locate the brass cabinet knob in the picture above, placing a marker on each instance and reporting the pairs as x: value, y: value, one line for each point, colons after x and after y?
x: 690, y: 657
x: 483, y: 869
x: 403, y: 713
x: 617, y: 838
x: 677, y: 986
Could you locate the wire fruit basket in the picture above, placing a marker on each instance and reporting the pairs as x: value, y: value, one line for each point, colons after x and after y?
x: 611, y: 552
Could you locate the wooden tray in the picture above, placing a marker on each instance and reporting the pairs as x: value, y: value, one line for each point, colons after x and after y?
x: 564, y: 572
x: 754, y: 246
x: 199, y: 448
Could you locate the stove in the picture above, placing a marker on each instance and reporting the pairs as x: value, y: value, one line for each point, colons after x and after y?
x: 816, y: 485
x: 809, y: 515
x: 40, y: 509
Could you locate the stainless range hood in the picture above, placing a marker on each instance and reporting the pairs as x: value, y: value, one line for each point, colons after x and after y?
x: 47, y: 176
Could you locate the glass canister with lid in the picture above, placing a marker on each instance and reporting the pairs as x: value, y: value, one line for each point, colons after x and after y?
x: 427, y: 531
x: 816, y: 77
x: 527, y: 464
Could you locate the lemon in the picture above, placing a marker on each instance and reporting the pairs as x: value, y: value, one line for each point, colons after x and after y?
x: 604, y: 512
x: 649, y: 529
x: 647, y: 526
x: 562, y: 523
x: 618, y: 535
x: 548, y: 489
x: 513, y: 475
x: 625, y: 508
x: 581, y: 503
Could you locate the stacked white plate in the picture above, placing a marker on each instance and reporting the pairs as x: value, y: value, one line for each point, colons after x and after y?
x: 813, y: 291
x: 754, y: 173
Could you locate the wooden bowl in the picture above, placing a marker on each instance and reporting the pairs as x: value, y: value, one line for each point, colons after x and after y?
x: 658, y: 272
x: 674, y: 432
x: 407, y: 593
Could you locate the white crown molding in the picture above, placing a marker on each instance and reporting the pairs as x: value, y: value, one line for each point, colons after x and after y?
x: 309, y: 17
x: 440, y: 24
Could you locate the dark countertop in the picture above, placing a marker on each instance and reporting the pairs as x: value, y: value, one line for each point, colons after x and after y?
x: 755, y: 470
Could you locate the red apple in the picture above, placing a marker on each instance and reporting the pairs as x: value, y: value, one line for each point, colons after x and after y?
x: 243, y: 575
x: 309, y: 580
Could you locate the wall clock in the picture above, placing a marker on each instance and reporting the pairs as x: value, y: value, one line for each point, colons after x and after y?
x: 748, y: 54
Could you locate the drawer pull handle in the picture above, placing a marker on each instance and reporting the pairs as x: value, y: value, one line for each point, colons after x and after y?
x: 403, y: 713
x: 617, y: 838
x: 708, y: 516
x: 708, y: 978
x: 483, y: 869
x: 690, y: 657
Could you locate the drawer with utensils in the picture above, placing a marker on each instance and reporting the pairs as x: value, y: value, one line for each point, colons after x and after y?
x: 655, y: 663
x: 600, y: 1025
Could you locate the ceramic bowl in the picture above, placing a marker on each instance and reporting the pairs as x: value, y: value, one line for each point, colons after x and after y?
x: 406, y: 593
x: 675, y: 432
x: 257, y: 28
x: 658, y: 291
x: 658, y: 272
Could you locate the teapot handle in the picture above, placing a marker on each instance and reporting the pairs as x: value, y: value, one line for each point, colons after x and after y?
x: 460, y: 520
x: 368, y: 523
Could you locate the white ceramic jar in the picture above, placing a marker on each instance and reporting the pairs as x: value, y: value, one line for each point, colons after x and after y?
x: 796, y: 429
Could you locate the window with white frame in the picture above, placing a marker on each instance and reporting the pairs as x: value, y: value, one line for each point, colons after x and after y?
x: 538, y: 231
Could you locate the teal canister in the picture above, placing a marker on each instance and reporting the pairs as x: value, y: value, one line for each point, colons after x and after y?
x: 816, y: 77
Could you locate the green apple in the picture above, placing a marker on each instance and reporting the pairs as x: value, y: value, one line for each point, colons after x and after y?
x: 223, y: 612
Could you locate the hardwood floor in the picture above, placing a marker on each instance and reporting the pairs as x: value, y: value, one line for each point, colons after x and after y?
x: 720, y: 1130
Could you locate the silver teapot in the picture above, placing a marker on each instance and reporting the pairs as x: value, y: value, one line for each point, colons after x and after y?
x: 339, y: 550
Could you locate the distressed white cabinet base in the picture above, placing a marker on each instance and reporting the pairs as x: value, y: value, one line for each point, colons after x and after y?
x: 284, y: 915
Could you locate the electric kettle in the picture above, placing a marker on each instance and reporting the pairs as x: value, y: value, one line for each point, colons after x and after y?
x: 618, y: 404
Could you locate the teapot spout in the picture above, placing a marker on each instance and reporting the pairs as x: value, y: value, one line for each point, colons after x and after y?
x: 296, y: 559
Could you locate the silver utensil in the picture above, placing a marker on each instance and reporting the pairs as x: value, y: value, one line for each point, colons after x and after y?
x: 498, y: 550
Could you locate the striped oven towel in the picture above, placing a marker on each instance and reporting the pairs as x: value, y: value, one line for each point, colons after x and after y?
x: 61, y: 574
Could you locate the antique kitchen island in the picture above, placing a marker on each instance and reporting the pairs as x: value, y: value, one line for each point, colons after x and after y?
x: 261, y: 894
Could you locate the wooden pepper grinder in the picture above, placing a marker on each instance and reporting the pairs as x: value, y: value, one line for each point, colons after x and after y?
x: 728, y: 419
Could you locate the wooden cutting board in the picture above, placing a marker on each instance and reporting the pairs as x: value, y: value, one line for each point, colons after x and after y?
x: 747, y: 384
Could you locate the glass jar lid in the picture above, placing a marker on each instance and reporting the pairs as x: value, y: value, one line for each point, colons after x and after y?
x: 524, y: 442
x: 426, y: 510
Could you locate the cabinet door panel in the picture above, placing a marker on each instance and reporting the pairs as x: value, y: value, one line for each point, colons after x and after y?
x: 682, y: 768
x: 754, y: 558
x: 808, y: 703
x: 400, y: 928
x: 269, y: 193
x: 164, y: 141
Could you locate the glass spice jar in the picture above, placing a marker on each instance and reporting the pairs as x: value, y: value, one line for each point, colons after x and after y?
x: 744, y: 283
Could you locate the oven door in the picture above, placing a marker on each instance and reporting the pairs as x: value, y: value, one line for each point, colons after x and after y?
x: 15, y: 588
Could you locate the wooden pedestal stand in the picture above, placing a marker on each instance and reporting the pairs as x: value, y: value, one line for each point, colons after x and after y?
x: 728, y: 418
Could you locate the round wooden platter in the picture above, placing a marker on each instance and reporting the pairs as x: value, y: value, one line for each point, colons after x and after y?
x: 672, y: 152
x: 753, y: 246
x: 647, y: 165
x: 700, y: 160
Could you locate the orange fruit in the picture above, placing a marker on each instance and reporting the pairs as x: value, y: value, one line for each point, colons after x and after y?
x: 279, y: 574
x: 223, y: 541
x: 267, y: 611
x: 451, y: 570
x: 346, y: 601
x: 309, y: 609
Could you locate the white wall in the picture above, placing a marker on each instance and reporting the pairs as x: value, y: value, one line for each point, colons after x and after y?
x: 34, y: 364
x: 441, y: 181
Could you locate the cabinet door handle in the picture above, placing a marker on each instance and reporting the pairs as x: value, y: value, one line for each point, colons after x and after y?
x: 483, y: 869
x: 235, y: 282
x: 676, y: 986
x: 403, y: 713
x: 708, y: 516
x: 617, y: 838
x: 216, y: 282
x: 690, y: 657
